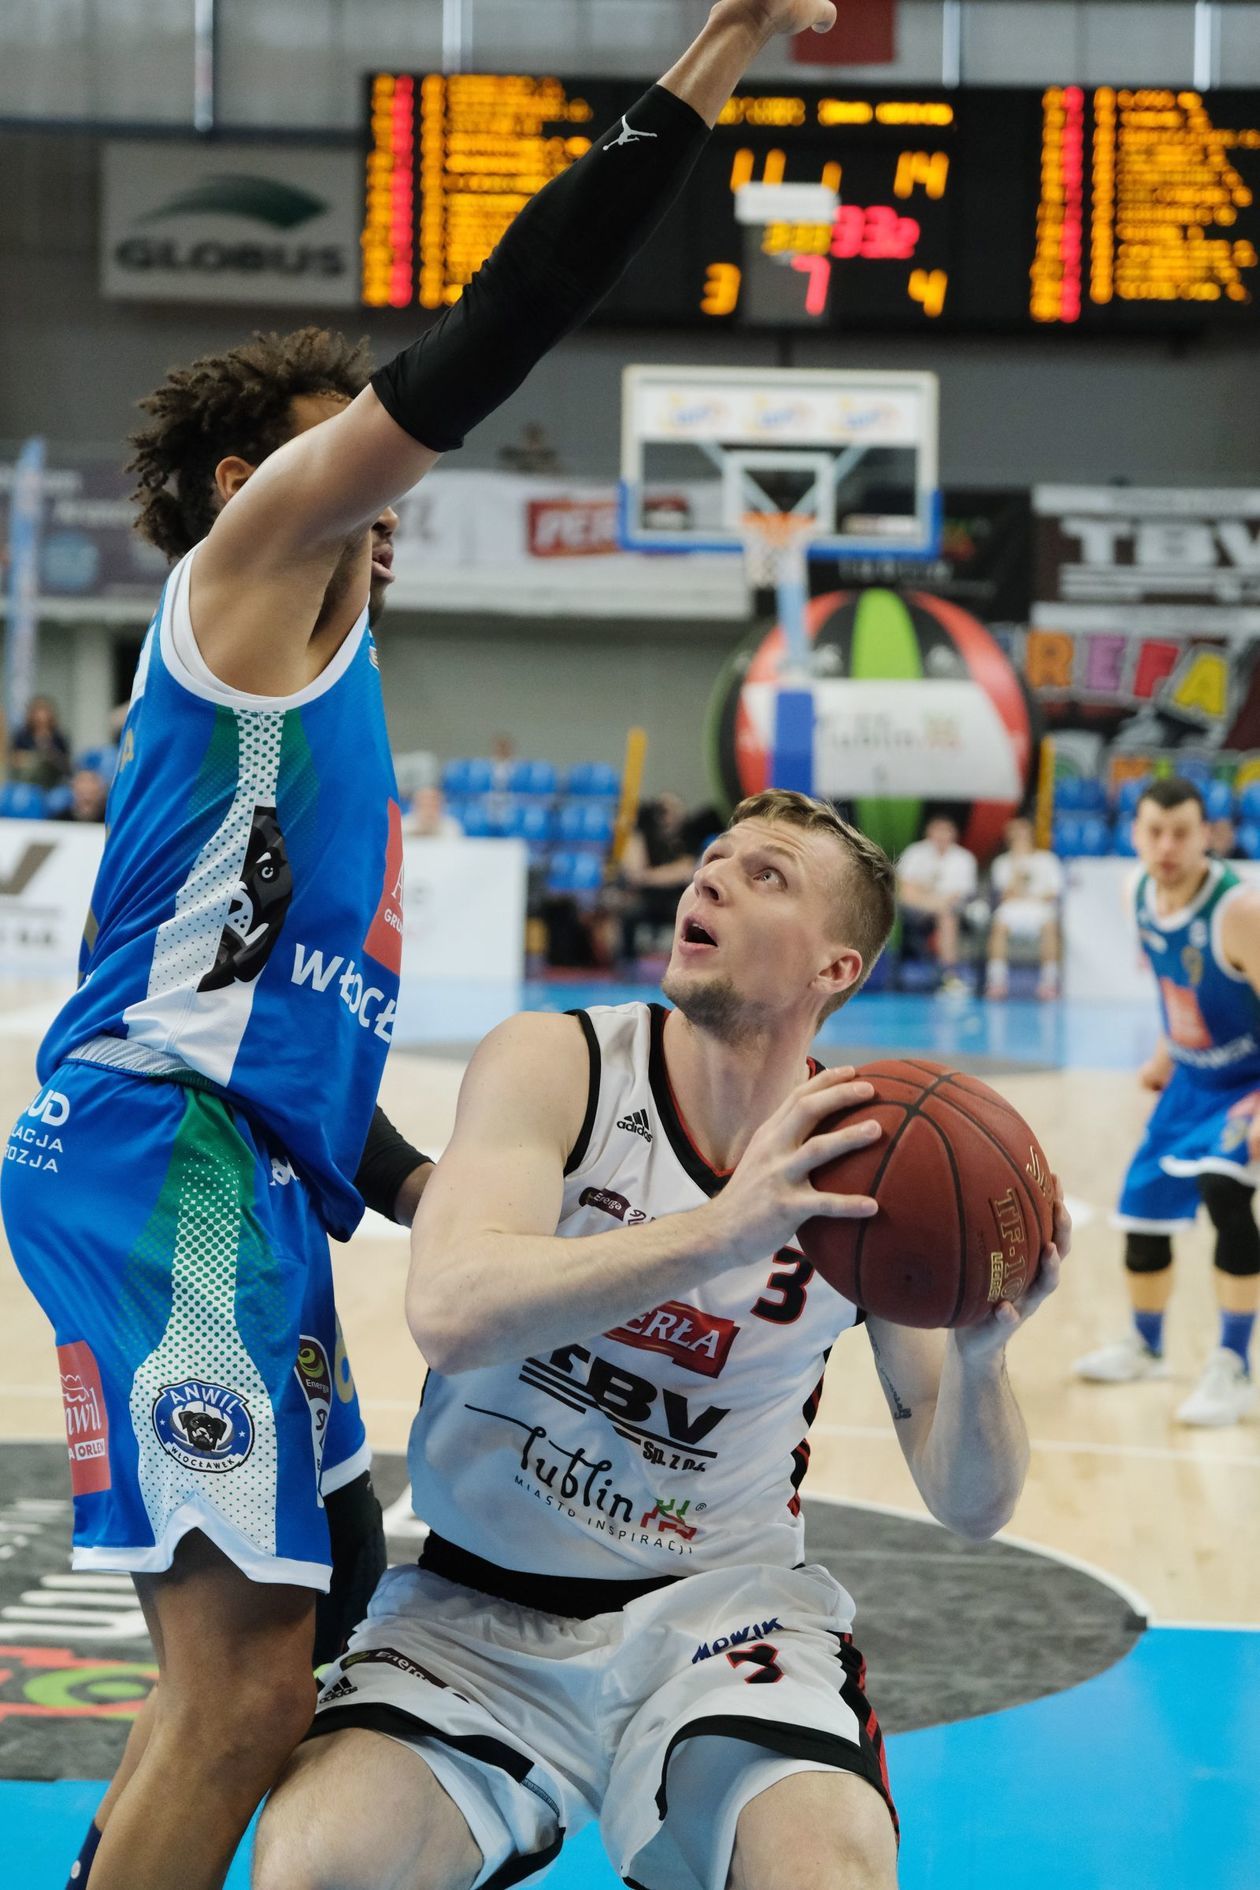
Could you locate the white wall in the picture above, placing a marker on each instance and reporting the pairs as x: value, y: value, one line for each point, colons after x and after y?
x: 568, y: 696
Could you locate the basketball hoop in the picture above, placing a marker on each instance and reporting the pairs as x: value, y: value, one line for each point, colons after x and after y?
x: 776, y: 545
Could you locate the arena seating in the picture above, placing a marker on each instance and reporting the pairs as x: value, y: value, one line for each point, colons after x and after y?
x: 566, y: 822
x: 21, y: 800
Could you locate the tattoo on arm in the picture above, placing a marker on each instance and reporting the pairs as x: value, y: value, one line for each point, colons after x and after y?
x: 899, y: 1410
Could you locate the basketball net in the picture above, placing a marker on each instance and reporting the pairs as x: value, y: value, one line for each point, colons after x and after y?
x: 776, y: 554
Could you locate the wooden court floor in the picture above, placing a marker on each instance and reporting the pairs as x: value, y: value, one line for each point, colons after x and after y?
x: 1114, y: 1481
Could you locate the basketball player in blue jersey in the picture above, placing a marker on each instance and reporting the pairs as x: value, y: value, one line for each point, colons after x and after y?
x: 1200, y: 928
x: 612, y: 1617
x: 263, y: 394
x: 212, y: 1080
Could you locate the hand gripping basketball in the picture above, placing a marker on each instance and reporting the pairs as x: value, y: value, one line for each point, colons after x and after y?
x: 770, y: 1192
x: 966, y: 1194
x: 991, y: 1334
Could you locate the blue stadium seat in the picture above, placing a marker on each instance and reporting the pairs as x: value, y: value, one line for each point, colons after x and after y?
x: 58, y: 801
x: 1079, y: 794
x: 1218, y: 800
x: 1068, y: 839
x: 531, y: 777
x: 1122, y: 838
x: 575, y: 872
x: 588, y: 873
x: 466, y: 777
x: 1249, y: 802
x: 22, y: 800
x: 479, y: 820
x: 1249, y: 840
x: 527, y: 820
x: 588, y: 821
x: 1095, y: 836
x: 1200, y: 772
x: 594, y: 778
x: 1129, y: 795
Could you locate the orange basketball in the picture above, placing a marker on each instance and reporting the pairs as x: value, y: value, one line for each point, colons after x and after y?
x: 965, y: 1193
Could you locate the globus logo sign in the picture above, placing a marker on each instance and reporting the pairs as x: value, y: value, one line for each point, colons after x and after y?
x: 229, y: 226
x: 283, y: 206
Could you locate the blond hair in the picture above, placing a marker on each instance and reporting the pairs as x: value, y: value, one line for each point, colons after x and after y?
x: 865, y: 904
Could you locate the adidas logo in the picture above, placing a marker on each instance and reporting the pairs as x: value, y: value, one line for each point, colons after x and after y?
x: 337, y: 1691
x: 637, y: 1123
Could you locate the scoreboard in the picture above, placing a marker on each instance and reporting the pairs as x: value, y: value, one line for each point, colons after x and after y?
x: 835, y: 207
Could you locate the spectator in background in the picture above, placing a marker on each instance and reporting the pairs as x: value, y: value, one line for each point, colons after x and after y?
x: 88, y: 793
x: 429, y: 819
x: 1029, y: 883
x: 659, y: 859
x: 531, y: 453
x: 502, y: 755
x: 935, y: 879
x: 38, y: 751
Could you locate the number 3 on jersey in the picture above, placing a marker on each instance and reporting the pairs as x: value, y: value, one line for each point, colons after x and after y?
x: 763, y: 1658
x: 783, y: 1301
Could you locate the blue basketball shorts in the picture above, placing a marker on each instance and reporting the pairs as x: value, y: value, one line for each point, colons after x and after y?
x: 1196, y: 1128
x: 189, y: 1285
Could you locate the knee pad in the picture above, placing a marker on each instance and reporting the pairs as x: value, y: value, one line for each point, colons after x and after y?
x: 356, y: 1530
x: 1237, y: 1236
x: 1147, y: 1253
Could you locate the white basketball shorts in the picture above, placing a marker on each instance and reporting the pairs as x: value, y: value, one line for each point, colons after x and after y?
x: 661, y: 1720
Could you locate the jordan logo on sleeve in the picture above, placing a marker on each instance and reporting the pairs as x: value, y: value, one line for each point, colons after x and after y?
x: 629, y: 135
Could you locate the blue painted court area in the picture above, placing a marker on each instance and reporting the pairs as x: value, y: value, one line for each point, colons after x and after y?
x: 1055, y: 1036
x: 1144, y: 1778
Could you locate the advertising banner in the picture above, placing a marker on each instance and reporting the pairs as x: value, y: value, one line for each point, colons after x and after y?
x: 1146, y: 616
x: 985, y: 561
x: 251, y: 223
x: 47, y: 871
x: 1183, y: 562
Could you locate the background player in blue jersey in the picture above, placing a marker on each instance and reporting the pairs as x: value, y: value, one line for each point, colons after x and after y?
x: 1201, y: 931
x: 212, y: 1080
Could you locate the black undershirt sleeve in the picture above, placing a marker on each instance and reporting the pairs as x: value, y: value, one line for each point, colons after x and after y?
x: 387, y: 1161
x: 555, y: 263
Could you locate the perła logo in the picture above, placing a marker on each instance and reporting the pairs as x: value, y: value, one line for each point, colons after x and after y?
x: 235, y: 194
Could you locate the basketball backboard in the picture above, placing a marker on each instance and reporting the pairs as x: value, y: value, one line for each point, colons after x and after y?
x: 702, y: 448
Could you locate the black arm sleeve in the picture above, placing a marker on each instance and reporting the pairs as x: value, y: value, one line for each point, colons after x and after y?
x: 387, y: 1160
x: 558, y: 259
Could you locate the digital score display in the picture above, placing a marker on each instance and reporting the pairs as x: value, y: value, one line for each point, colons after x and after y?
x: 836, y: 208
x: 1148, y: 201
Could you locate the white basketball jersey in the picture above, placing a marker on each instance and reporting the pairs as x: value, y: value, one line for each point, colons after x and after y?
x: 674, y: 1443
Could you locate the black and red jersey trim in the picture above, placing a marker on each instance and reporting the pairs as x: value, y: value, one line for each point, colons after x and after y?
x: 679, y: 1136
x: 577, y: 1154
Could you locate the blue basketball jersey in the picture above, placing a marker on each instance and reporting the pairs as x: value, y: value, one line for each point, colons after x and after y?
x: 1211, y: 1014
x: 246, y: 923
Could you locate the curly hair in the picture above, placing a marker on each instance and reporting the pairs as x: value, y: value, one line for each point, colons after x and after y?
x: 223, y: 404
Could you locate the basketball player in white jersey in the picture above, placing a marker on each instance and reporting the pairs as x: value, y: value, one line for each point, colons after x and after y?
x: 612, y: 1617
x: 251, y: 867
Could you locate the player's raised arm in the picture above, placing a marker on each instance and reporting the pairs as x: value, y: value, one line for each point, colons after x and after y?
x: 557, y: 261
x: 491, y: 1277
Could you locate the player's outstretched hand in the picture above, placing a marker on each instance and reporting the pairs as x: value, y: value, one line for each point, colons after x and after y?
x: 784, y: 16
x: 770, y: 1193
x: 991, y: 1334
